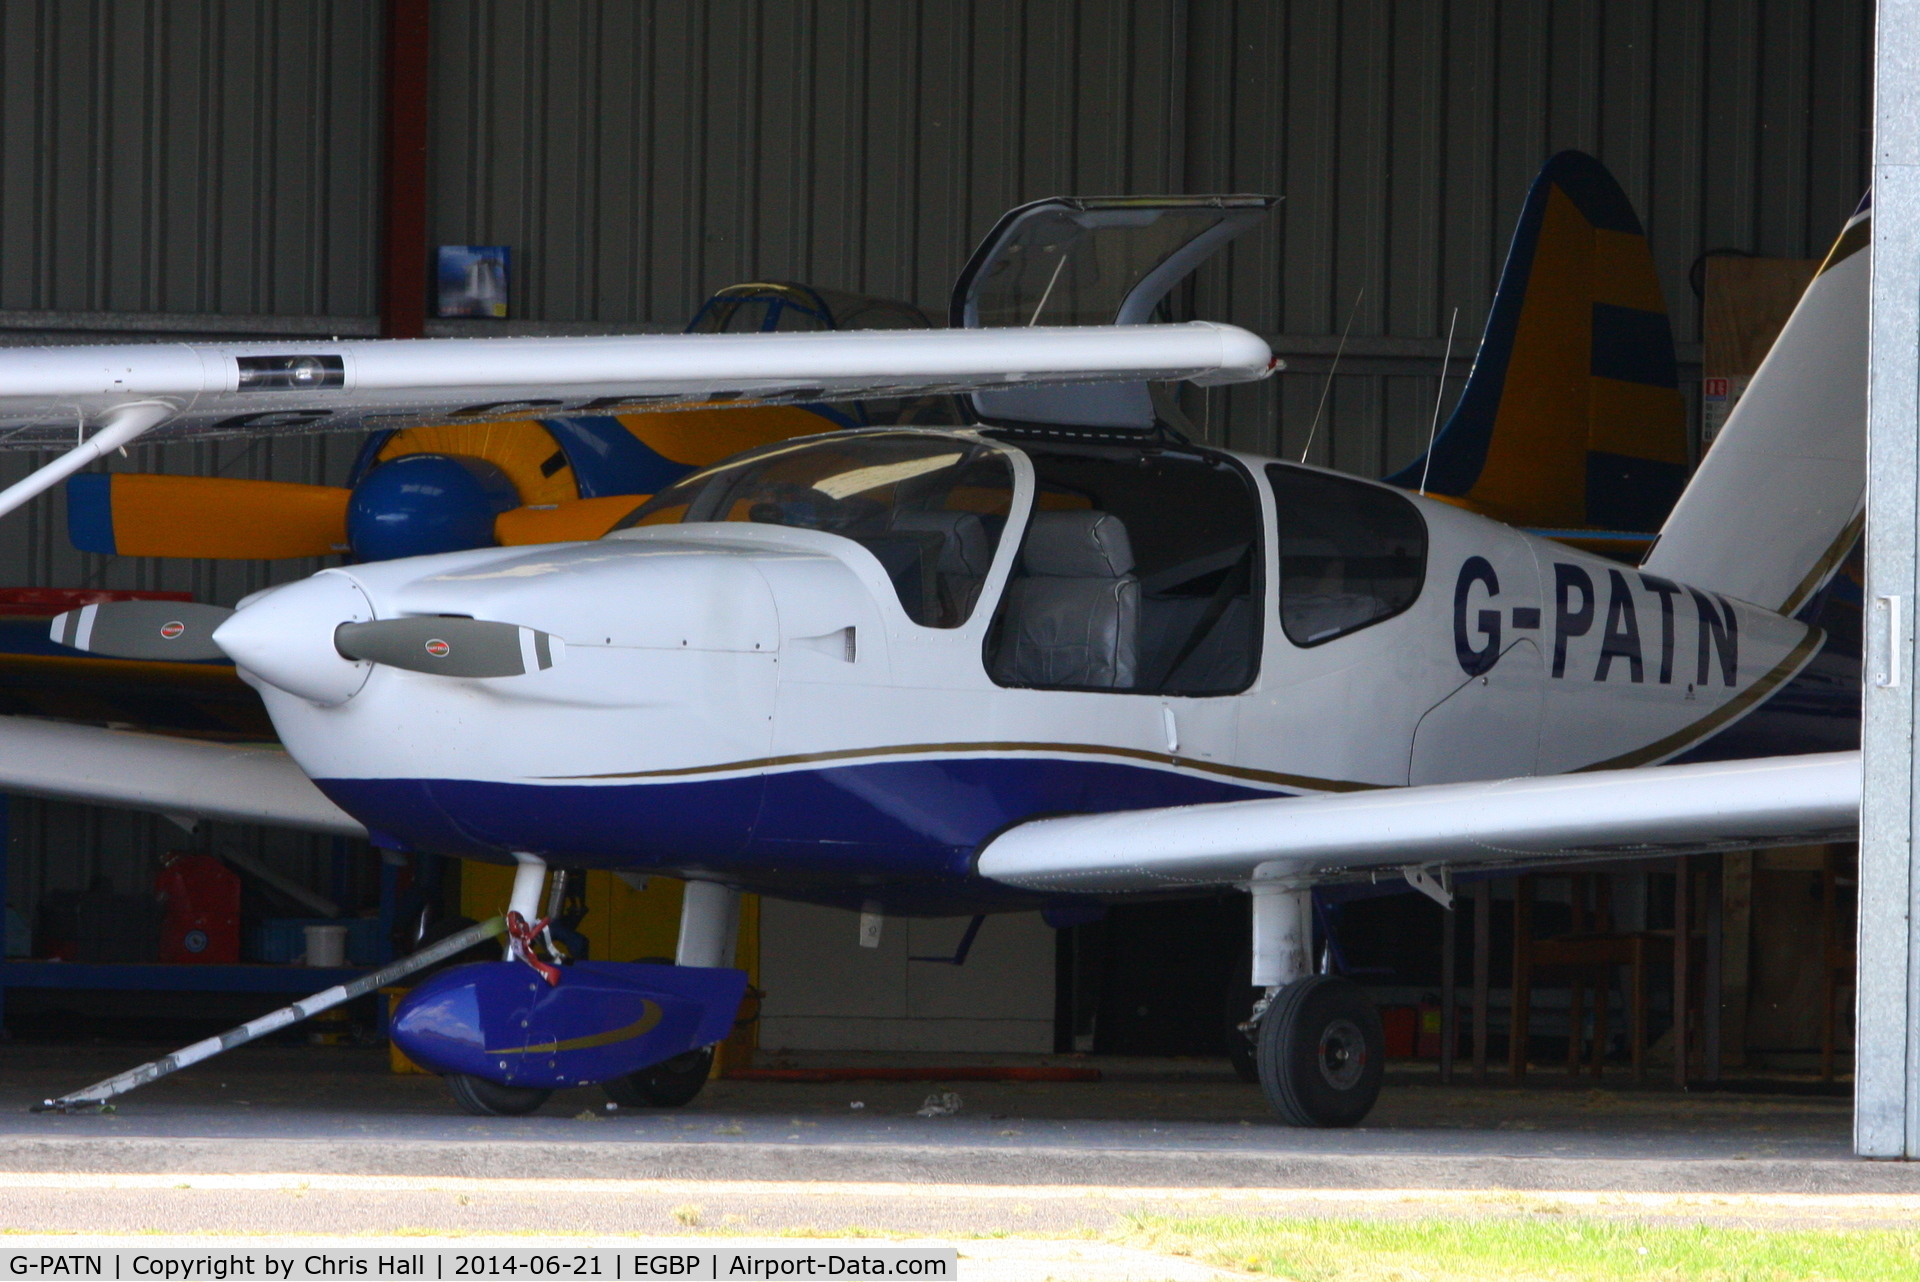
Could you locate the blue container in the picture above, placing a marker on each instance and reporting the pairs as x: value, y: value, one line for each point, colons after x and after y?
x: 280, y: 940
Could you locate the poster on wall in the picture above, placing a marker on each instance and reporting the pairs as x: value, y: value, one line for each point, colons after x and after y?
x: 473, y: 281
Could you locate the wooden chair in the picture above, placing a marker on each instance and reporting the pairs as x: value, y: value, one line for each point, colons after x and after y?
x: 1837, y: 949
x: 1585, y: 958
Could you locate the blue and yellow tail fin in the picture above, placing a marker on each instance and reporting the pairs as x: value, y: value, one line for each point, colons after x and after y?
x: 1572, y: 418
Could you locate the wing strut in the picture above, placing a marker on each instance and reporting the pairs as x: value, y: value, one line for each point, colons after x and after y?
x: 118, y: 427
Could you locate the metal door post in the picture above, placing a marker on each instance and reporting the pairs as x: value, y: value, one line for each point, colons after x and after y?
x: 1887, y: 1056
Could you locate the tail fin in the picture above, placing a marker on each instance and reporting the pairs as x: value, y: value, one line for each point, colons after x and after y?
x: 1572, y: 418
x: 1779, y: 499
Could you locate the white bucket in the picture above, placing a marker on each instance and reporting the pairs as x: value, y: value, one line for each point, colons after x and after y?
x: 326, y: 945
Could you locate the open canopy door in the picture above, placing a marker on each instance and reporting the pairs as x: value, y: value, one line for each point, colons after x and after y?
x: 1090, y: 261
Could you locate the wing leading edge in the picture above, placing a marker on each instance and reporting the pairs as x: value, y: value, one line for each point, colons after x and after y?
x: 183, y: 778
x: 1653, y: 810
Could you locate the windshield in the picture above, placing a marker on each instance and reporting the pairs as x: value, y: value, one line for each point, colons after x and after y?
x: 930, y: 508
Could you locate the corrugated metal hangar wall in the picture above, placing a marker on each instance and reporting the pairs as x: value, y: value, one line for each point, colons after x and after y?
x: 212, y: 167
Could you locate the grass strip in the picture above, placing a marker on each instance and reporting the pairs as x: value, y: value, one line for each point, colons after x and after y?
x: 1525, y: 1250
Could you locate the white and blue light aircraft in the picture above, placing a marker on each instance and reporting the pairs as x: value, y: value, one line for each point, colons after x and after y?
x: 1057, y: 657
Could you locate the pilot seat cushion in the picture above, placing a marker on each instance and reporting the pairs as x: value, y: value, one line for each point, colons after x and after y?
x: 1073, y: 619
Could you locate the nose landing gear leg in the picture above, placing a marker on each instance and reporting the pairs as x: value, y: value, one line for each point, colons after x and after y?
x: 477, y: 1095
x: 1317, y: 1041
x: 709, y: 922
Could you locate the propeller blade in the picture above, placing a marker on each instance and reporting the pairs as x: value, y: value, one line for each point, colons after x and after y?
x: 450, y: 647
x: 135, y: 514
x: 181, y: 631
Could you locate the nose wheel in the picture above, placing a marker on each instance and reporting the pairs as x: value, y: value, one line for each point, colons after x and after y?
x: 1320, y: 1052
x: 666, y: 1085
x: 478, y: 1096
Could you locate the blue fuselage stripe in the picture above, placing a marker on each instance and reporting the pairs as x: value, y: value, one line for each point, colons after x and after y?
x: 830, y: 833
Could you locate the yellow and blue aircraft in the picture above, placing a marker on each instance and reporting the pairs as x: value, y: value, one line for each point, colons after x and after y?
x: 1572, y: 425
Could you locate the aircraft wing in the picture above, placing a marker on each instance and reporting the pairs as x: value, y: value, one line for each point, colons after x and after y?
x: 247, y: 389
x: 1612, y: 814
x: 182, y: 778
x: 93, y: 400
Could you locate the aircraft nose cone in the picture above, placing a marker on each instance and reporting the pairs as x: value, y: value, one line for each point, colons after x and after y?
x: 285, y: 638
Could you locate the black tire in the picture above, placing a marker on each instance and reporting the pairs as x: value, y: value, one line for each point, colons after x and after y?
x: 1322, y: 1055
x: 668, y: 1084
x: 478, y: 1096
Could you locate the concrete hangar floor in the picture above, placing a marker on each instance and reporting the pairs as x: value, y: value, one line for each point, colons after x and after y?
x: 278, y: 1139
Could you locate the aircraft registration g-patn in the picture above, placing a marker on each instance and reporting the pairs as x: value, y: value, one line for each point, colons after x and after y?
x: 1056, y: 657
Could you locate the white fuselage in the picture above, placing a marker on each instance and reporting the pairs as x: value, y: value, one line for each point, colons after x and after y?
x: 751, y: 701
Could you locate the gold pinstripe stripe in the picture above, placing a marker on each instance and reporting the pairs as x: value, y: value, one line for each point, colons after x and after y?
x: 651, y: 1015
x: 1852, y: 241
x: 1836, y: 552
x: 1069, y: 749
x: 1639, y: 756
x: 1795, y: 660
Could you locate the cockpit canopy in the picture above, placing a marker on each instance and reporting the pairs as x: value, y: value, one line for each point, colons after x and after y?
x: 1142, y: 568
x: 930, y: 508
x: 1108, y: 260
x: 1139, y: 570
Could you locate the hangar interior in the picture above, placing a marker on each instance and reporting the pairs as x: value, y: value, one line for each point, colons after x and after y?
x: 199, y: 169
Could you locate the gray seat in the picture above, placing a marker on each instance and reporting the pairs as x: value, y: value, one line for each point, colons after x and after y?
x: 961, y: 563
x: 1073, y: 617
x: 963, y: 539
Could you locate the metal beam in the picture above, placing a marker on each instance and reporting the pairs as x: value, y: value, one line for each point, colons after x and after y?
x: 1887, y: 1052
x: 403, y: 294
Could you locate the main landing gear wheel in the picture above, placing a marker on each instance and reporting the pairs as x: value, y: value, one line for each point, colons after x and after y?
x: 490, y: 1099
x: 1321, y: 1052
x: 668, y: 1084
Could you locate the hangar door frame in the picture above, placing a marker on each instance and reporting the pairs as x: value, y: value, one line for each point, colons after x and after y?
x: 1887, y: 1054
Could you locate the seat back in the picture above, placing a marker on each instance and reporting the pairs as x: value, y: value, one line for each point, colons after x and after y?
x: 1073, y: 617
x: 960, y: 552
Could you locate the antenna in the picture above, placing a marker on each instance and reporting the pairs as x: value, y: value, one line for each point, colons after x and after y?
x: 1328, y: 385
x: 1433, y: 428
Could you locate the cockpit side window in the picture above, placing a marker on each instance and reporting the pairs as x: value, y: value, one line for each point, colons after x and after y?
x: 1351, y: 554
x: 930, y: 508
x: 1140, y: 572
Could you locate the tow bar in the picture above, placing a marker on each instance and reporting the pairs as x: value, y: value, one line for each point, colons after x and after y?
x: 95, y: 1097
